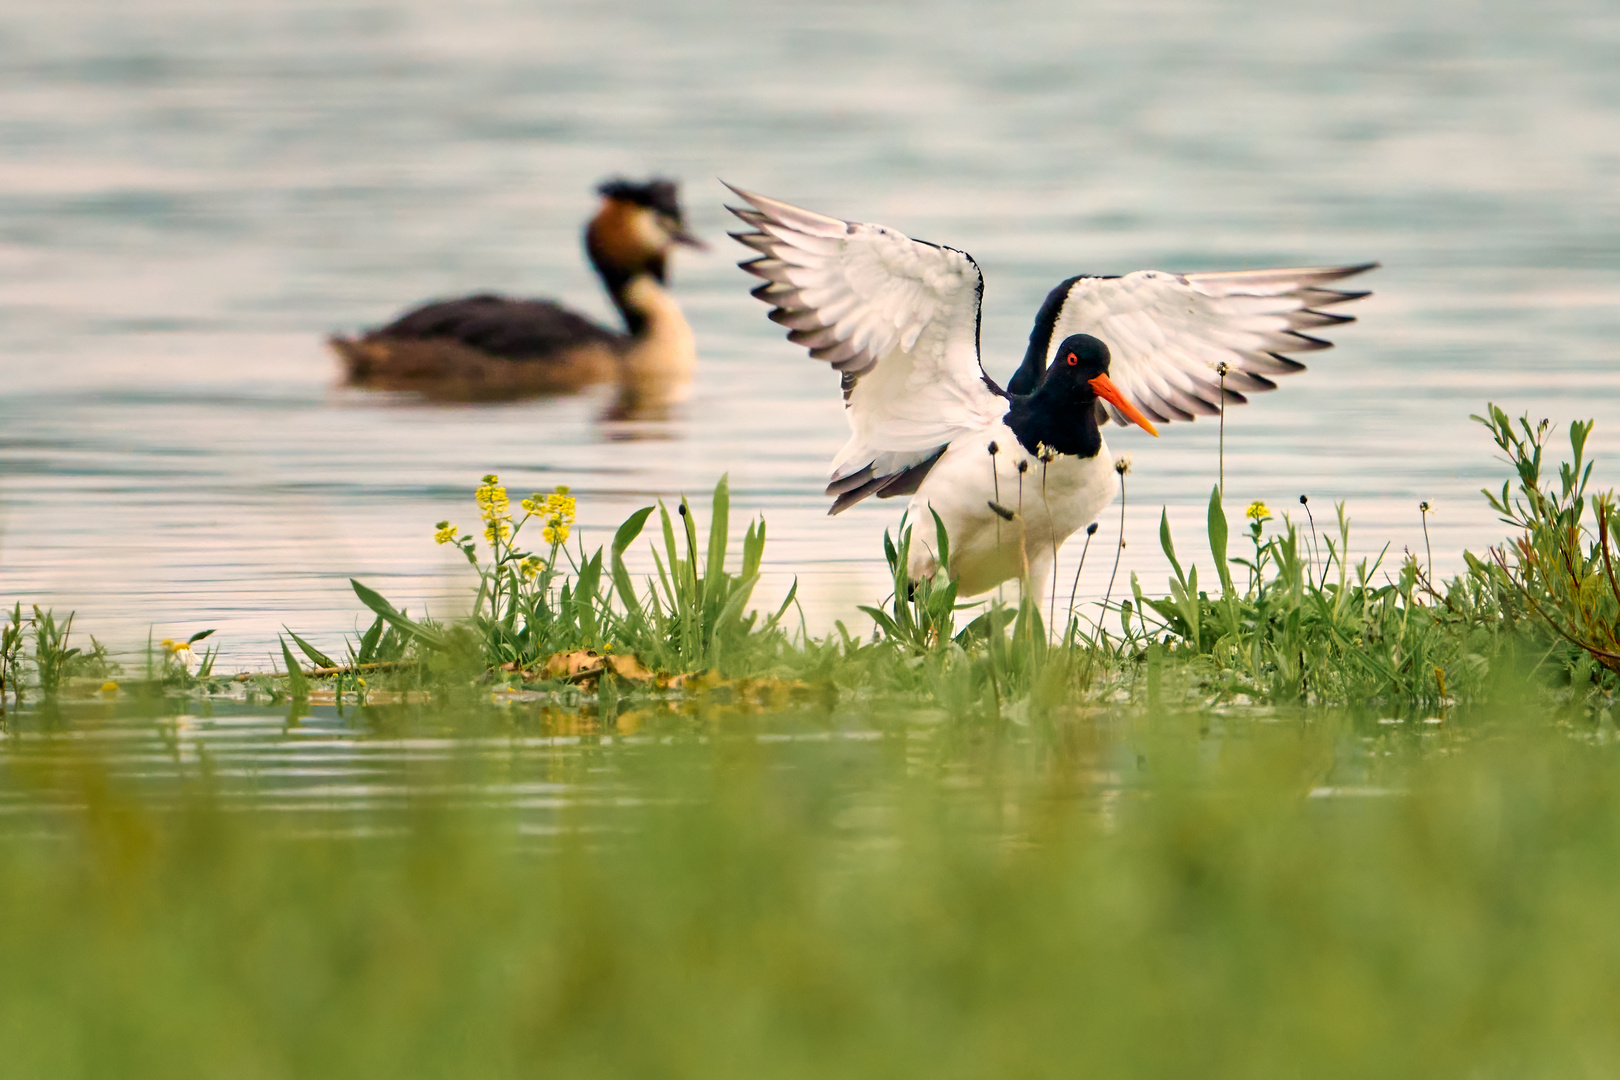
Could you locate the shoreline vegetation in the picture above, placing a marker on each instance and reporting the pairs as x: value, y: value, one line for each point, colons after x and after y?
x: 1282, y: 617
x: 973, y: 847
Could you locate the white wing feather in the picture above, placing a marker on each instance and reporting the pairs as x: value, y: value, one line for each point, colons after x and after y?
x: 898, y: 317
x: 1168, y: 334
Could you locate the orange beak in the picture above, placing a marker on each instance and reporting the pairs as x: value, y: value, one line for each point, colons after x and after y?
x: 1104, y: 388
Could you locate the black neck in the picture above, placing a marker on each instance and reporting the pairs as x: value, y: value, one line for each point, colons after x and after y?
x: 1063, y: 418
x: 1029, y: 373
x: 616, y: 279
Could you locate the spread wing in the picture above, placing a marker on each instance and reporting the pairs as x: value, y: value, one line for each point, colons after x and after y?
x: 1169, y: 334
x: 899, y: 318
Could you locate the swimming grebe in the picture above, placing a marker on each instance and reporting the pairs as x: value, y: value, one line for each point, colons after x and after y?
x: 1013, y: 472
x: 488, y: 347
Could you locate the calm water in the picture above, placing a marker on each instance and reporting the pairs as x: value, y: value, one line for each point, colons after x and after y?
x: 192, y: 194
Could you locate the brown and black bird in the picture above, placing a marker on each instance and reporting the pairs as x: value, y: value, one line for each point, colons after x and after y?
x: 488, y: 347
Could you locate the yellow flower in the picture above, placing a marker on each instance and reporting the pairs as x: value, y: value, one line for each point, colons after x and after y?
x: 109, y: 687
x: 531, y: 566
x: 492, y: 501
x: 559, y: 510
x: 446, y: 534
x: 167, y: 644
x: 361, y: 683
x: 1257, y: 511
x: 497, y: 531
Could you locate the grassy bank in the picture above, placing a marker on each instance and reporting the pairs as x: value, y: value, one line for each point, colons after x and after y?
x: 1281, y: 614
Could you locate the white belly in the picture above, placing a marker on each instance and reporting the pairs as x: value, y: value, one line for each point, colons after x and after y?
x: 1049, y: 502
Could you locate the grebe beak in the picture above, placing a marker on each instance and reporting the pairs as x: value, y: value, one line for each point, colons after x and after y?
x: 681, y: 236
x: 1104, y: 388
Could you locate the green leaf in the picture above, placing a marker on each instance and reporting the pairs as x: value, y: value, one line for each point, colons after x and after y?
x: 942, y: 540
x: 1168, y: 546
x: 320, y: 658
x: 374, y: 600
x: 198, y: 636
x: 368, y: 644
x: 792, y: 594
x: 1217, y: 540
x: 297, y: 682
x: 622, y: 539
x: 719, y: 530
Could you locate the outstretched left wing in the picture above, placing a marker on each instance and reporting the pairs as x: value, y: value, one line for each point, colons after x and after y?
x: 899, y: 318
x: 1169, y: 334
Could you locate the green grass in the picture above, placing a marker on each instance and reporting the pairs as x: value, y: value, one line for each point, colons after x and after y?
x: 1131, y: 894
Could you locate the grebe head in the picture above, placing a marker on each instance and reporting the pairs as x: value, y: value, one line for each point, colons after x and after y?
x: 635, y: 227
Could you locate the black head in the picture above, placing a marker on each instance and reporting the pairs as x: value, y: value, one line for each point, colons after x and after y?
x: 655, y: 194
x: 1062, y: 411
x: 1078, y: 360
x: 660, y: 196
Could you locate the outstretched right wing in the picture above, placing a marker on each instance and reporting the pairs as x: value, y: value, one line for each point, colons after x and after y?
x: 898, y: 317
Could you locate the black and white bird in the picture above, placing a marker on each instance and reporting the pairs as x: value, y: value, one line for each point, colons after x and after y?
x: 489, y: 346
x: 1013, y: 472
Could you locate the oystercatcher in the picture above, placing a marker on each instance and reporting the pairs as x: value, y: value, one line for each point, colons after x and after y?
x: 1013, y: 471
x: 488, y: 346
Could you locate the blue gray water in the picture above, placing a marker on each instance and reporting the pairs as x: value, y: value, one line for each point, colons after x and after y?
x: 193, y: 192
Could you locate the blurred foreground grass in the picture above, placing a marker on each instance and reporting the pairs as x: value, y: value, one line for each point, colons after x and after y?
x: 1131, y: 893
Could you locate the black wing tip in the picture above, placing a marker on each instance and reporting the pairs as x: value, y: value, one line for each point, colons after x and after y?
x: 1329, y: 318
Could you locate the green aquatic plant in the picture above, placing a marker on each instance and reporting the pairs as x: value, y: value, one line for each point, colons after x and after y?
x: 693, y: 615
x: 1336, y: 634
x: 53, y: 658
x: 11, y: 657
x: 1557, y: 569
x: 922, y: 611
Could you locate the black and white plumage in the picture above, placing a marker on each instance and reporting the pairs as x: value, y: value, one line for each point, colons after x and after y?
x: 899, y: 319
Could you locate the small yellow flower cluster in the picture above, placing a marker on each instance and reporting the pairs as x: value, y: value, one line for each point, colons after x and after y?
x: 446, y: 533
x: 496, y: 510
x: 169, y: 645
x: 1257, y: 511
x: 492, y: 498
x: 558, y: 511
x: 531, y: 567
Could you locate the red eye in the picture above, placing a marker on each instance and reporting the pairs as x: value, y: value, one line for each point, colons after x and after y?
x: 1073, y: 360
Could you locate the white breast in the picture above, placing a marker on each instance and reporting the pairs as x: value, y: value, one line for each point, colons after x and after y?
x: 1049, y: 501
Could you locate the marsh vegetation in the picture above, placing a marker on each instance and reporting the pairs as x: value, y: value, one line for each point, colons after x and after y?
x: 1295, y: 814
